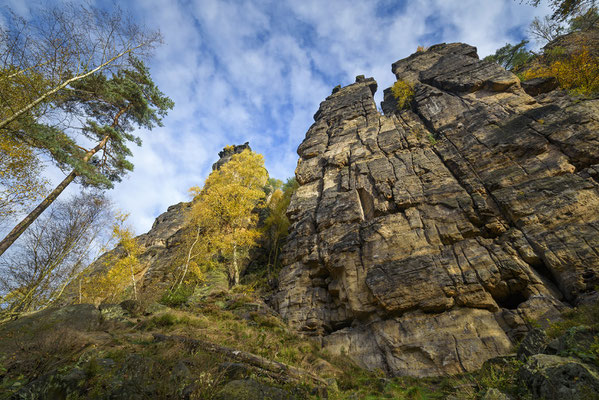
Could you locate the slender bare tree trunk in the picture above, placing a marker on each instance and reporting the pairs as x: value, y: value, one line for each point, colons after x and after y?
x: 133, y: 279
x: 189, y: 257
x: 235, y: 266
x: 276, y: 254
x: 64, y: 84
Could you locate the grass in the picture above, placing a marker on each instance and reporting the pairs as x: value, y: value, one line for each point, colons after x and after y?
x: 238, y: 320
x: 586, y: 315
x: 177, y: 297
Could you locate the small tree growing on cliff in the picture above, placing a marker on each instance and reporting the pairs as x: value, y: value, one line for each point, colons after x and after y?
x: 511, y: 57
x: 222, y: 219
x: 403, y: 93
x: 276, y: 223
x: 122, y: 266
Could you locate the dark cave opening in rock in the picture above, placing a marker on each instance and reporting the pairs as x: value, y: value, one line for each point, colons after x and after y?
x: 511, y: 301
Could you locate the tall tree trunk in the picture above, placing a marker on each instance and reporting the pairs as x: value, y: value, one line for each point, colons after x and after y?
x: 133, y: 279
x: 235, y: 266
x: 37, y: 211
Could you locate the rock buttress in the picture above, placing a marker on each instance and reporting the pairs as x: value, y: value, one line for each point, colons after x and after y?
x: 425, y: 241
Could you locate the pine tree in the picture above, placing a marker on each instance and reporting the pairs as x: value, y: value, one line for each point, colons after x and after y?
x: 511, y: 57
x: 114, y: 106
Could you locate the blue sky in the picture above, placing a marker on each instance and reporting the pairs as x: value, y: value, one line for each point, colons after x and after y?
x: 257, y: 70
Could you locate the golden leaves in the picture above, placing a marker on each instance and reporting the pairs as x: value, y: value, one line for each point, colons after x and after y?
x: 403, y: 93
x: 579, y: 72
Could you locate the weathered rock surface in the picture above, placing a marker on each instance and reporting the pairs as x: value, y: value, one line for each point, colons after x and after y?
x: 554, y: 377
x: 228, y: 152
x: 159, y: 250
x: 423, y: 241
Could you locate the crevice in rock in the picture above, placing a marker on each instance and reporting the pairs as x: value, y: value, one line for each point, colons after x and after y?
x: 535, y: 115
x: 387, y: 368
x: 457, y: 353
x: 319, y: 202
x: 546, y: 275
x: 378, y: 134
x: 337, y: 326
x: 366, y: 203
x: 541, y: 267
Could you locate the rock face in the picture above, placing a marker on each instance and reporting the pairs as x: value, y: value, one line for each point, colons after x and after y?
x: 228, y: 152
x: 424, y: 241
x: 554, y: 377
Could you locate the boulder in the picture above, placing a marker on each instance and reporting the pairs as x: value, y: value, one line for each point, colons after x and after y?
x: 537, y: 86
x: 553, y: 377
x: 535, y: 342
x: 495, y: 394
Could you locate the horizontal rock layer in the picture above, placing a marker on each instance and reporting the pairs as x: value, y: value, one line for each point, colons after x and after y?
x: 423, y: 242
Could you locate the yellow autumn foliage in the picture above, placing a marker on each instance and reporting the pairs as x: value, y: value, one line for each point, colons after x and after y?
x: 20, y: 182
x: 578, y: 72
x: 403, y: 93
x: 222, y: 221
x: 122, y: 266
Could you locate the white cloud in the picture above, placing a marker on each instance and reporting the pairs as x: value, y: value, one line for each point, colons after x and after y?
x: 257, y: 70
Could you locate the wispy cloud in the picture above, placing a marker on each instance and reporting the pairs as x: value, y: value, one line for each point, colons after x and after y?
x: 257, y: 70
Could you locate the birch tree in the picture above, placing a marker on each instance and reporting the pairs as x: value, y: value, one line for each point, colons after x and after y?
x: 120, y: 267
x: 52, y: 254
x: 223, y: 218
x: 59, y: 45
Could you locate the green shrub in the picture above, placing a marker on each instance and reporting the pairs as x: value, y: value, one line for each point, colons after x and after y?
x: 177, y: 297
x: 403, y: 93
x: 164, y: 320
x: 431, y: 139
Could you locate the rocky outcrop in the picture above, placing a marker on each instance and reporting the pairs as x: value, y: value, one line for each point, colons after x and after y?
x: 424, y: 241
x: 554, y: 377
x: 228, y: 152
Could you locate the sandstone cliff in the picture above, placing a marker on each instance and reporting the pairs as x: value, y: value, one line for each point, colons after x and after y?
x: 425, y: 241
